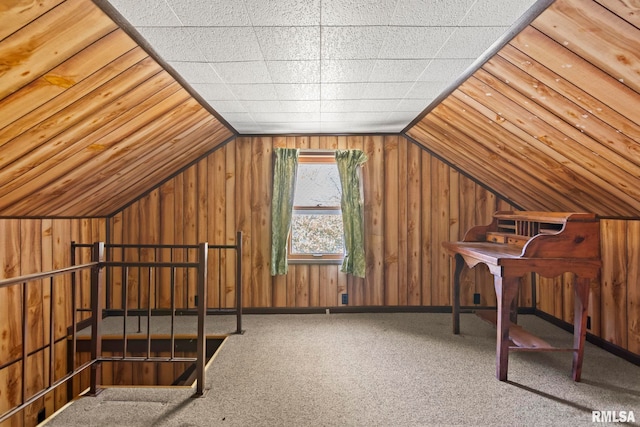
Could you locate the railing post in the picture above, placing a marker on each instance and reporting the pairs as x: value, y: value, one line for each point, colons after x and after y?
x: 202, y: 311
x: 239, y: 282
x: 97, y: 284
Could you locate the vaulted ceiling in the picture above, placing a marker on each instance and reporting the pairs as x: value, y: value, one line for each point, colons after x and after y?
x: 91, y: 119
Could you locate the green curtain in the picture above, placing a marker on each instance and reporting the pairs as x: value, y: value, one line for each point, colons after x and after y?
x: 352, y: 210
x: 284, y: 182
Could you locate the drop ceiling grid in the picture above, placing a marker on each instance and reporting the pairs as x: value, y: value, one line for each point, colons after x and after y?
x: 320, y: 66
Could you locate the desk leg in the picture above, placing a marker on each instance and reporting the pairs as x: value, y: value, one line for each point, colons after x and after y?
x: 506, y: 291
x: 455, y: 308
x: 581, y: 304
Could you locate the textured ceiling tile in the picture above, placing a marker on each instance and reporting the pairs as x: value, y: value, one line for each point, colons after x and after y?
x: 345, y: 71
x: 298, y: 91
x: 289, y: 43
x: 247, y: 127
x: 253, y: 92
x: 430, y: 13
x: 494, y: 13
x: 338, y: 105
x: 342, y: 90
x: 239, y: 117
x: 362, y: 12
x: 283, y: 12
x: 197, y: 72
x: 445, y: 69
x: 426, y: 90
x: 387, y: 90
x: 301, y: 106
x: 285, y: 117
x: 227, y: 106
x: 173, y: 43
x: 219, y: 92
x: 294, y: 71
x: 372, y: 105
x: 227, y: 44
x: 352, y: 42
x: 146, y: 13
x: 397, y: 70
x: 470, y: 42
x: 414, y: 42
x: 243, y: 72
x: 413, y: 105
x: 210, y: 13
x: 258, y: 106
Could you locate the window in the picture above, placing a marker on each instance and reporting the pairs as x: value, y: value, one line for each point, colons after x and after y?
x: 316, y: 224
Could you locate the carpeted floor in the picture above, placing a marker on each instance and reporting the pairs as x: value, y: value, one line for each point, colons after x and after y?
x: 392, y: 369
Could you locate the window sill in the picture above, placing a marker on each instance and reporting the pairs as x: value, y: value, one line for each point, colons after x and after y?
x: 315, y: 261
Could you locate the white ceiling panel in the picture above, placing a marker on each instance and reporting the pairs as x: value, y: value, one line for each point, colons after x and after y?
x: 206, y: 13
x: 243, y: 72
x: 346, y: 70
x: 289, y: 43
x: 294, y: 71
x: 398, y: 70
x: 282, y: 13
x: 432, y: 13
x: 470, y: 42
x: 320, y: 66
x: 357, y: 13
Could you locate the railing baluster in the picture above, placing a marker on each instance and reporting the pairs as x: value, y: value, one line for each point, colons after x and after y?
x: 125, y: 272
x: 202, y: 312
x: 149, y: 314
x: 173, y: 311
x: 52, y: 332
x: 25, y: 319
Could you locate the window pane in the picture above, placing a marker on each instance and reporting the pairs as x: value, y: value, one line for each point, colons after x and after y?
x: 316, y: 233
x: 317, y: 185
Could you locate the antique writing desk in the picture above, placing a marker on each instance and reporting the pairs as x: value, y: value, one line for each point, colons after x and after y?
x: 517, y: 243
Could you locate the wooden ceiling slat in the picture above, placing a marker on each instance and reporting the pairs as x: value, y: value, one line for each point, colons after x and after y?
x: 510, y: 150
x: 578, y: 96
x: 629, y: 10
x: 548, y: 139
x: 617, y: 172
x: 590, y: 31
x: 43, y: 107
x: 436, y: 138
x: 437, y: 135
x: 578, y: 71
x: 207, y: 135
x: 49, y: 40
x: 16, y: 14
x: 603, y: 140
x: 558, y: 175
x: 113, y: 194
x: 53, y: 165
x: 85, y: 110
x: 93, y: 159
x: 104, y: 166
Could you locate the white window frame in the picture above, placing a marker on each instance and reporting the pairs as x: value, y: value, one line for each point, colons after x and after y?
x: 317, y: 157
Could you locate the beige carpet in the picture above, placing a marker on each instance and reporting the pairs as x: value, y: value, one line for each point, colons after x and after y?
x: 395, y: 369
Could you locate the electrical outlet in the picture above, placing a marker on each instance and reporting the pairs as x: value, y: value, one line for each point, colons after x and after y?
x: 345, y: 298
x: 476, y: 298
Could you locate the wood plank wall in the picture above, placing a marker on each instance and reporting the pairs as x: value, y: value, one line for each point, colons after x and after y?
x: 31, y: 246
x: 413, y: 201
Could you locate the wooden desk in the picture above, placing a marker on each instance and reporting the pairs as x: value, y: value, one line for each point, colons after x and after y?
x: 518, y: 243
